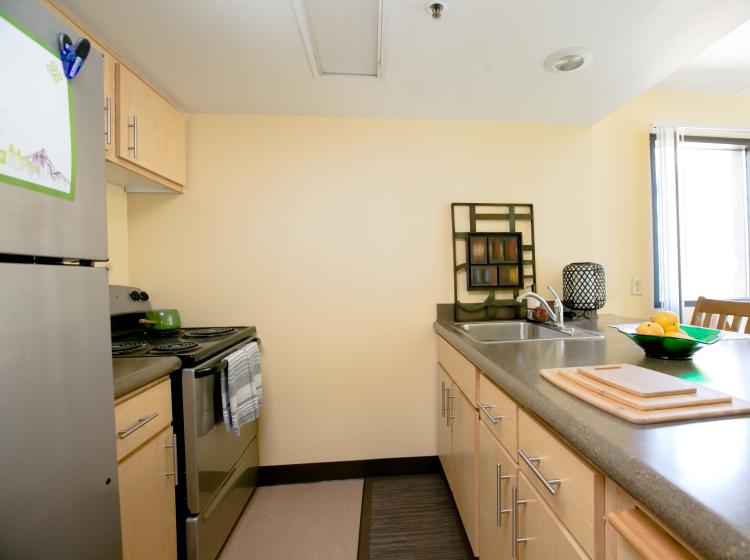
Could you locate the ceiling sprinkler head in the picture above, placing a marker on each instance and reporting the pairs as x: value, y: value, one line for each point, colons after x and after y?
x: 436, y: 9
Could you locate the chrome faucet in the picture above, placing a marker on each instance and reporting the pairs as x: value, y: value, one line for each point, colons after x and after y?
x: 556, y: 316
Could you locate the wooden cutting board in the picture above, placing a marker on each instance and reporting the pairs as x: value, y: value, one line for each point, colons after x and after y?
x: 702, y: 395
x: 638, y: 381
x: 636, y: 416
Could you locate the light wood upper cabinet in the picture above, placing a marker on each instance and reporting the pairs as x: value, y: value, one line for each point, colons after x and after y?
x: 150, y: 131
x: 147, y: 503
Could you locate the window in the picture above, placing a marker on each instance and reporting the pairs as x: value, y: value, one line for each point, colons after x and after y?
x: 700, y: 212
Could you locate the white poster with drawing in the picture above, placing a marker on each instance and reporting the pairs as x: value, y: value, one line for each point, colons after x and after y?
x: 36, y: 131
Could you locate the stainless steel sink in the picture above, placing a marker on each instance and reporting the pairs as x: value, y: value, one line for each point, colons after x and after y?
x: 518, y: 331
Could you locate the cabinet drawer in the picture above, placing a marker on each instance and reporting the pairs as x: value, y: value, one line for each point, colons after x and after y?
x: 493, y: 402
x: 141, y: 417
x: 539, y: 533
x: 459, y: 368
x: 566, y: 482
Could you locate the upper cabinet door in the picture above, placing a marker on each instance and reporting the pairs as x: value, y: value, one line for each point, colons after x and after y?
x: 150, y: 131
x: 109, y: 105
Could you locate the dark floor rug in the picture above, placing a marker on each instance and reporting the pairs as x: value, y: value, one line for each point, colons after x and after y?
x: 411, y: 518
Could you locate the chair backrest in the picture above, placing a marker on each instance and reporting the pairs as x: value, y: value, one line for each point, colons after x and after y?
x: 706, y: 309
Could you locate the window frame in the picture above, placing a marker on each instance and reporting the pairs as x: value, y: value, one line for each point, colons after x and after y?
x: 654, y: 218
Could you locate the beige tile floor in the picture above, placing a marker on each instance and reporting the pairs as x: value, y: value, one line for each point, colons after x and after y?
x: 318, y: 521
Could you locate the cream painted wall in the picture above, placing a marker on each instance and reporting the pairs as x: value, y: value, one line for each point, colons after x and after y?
x: 307, y: 227
x: 332, y: 235
x: 622, y: 184
x: 117, y: 235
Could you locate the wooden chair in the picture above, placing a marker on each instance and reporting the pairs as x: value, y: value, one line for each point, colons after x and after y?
x: 706, y: 309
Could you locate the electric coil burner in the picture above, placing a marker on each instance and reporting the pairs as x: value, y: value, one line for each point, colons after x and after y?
x: 217, y: 471
x: 174, y: 347
x: 125, y: 348
x: 208, y: 333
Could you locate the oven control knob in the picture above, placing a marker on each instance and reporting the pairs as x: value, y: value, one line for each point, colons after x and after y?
x: 144, y: 296
x: 135, y: 295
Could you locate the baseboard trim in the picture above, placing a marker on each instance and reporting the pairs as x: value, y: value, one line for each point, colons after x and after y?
x: 341, y: 470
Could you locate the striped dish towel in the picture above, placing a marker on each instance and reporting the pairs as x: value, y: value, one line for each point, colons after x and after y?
x: 241, y: 389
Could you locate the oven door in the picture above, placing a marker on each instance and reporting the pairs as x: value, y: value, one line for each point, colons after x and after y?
x: 211, y: 452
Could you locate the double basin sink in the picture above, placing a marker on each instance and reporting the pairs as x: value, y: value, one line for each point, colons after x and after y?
x: 521, y: 331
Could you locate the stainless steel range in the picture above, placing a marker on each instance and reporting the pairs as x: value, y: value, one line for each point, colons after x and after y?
x: 218, y: 471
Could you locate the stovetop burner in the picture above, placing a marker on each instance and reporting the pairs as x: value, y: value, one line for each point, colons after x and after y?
x: 124, y: 348
x: 208, y: 333
x: 174, y: 347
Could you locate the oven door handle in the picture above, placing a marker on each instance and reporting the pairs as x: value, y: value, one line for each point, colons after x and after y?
x: 213, y: 370
x: 221, y: 366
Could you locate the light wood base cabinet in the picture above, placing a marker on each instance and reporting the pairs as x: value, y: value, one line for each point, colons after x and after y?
x: 540, y: 535
x: 444, y: 423
x: 457, y: 449
x: 147, y: 501
x: 497, y: 476
x: 464, y: 421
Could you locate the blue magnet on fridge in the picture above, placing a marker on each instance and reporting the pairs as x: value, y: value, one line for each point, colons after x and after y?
x: 72, y: 56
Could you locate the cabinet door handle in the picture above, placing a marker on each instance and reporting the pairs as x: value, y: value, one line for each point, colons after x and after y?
x: 142, y: 421
x: 514, y: 538
x: 174, y: 458
x: 134, y: 147
x: 486, y: 408
x: 450, y: 408
x: 499, y: 477
x: 442, y: 396
x: 548, y: 483
x: 108, y: 113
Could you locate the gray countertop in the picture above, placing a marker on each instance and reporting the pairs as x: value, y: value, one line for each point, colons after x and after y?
x: 694, y: 475
x: 131, y: 374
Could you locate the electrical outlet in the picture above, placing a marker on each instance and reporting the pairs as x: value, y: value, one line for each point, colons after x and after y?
x: 635, y: 287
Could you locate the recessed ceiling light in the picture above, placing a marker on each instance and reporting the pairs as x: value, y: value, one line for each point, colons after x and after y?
x: 436, y: 9
x: 567, y: 60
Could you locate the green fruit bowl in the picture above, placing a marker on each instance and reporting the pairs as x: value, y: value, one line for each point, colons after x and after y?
x: 670, y: 348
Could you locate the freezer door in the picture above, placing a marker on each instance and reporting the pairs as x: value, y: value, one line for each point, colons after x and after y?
x: 57, y: 427
x: 33, y: 223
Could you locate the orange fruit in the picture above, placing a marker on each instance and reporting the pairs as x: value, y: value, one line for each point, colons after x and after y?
x: 667, y: 320
x: 653, y: 329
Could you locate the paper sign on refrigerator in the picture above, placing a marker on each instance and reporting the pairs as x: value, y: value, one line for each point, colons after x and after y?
x: 37, y: 149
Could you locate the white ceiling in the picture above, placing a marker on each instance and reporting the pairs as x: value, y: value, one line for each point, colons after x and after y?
x: 482, y: 61
x: 722, y: 69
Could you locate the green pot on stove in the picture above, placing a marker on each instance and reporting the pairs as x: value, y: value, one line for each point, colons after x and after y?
x: 161, y: 320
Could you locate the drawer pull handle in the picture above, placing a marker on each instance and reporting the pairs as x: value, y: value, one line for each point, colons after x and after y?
x: 142, y: 421
x: 514, y: 503
x: 487, y: 409
x: 548, y: 483
x: 174, y: 458
x: 499, y: 495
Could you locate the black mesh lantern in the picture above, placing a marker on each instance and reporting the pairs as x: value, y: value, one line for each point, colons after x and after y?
x: 583, y: 286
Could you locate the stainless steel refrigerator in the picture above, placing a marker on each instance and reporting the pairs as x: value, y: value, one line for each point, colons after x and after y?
x: 58, y: 480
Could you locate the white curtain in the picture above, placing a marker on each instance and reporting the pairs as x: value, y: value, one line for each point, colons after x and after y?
x: 669, y: 141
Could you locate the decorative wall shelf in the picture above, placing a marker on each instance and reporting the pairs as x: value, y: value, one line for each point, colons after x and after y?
x: 494, y: 257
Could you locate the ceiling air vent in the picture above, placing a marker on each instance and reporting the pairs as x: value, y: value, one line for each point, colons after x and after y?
x: 343, y: 38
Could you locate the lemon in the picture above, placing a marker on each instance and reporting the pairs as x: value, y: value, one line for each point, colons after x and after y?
x: 650, y: 328
x: 667, y: 320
